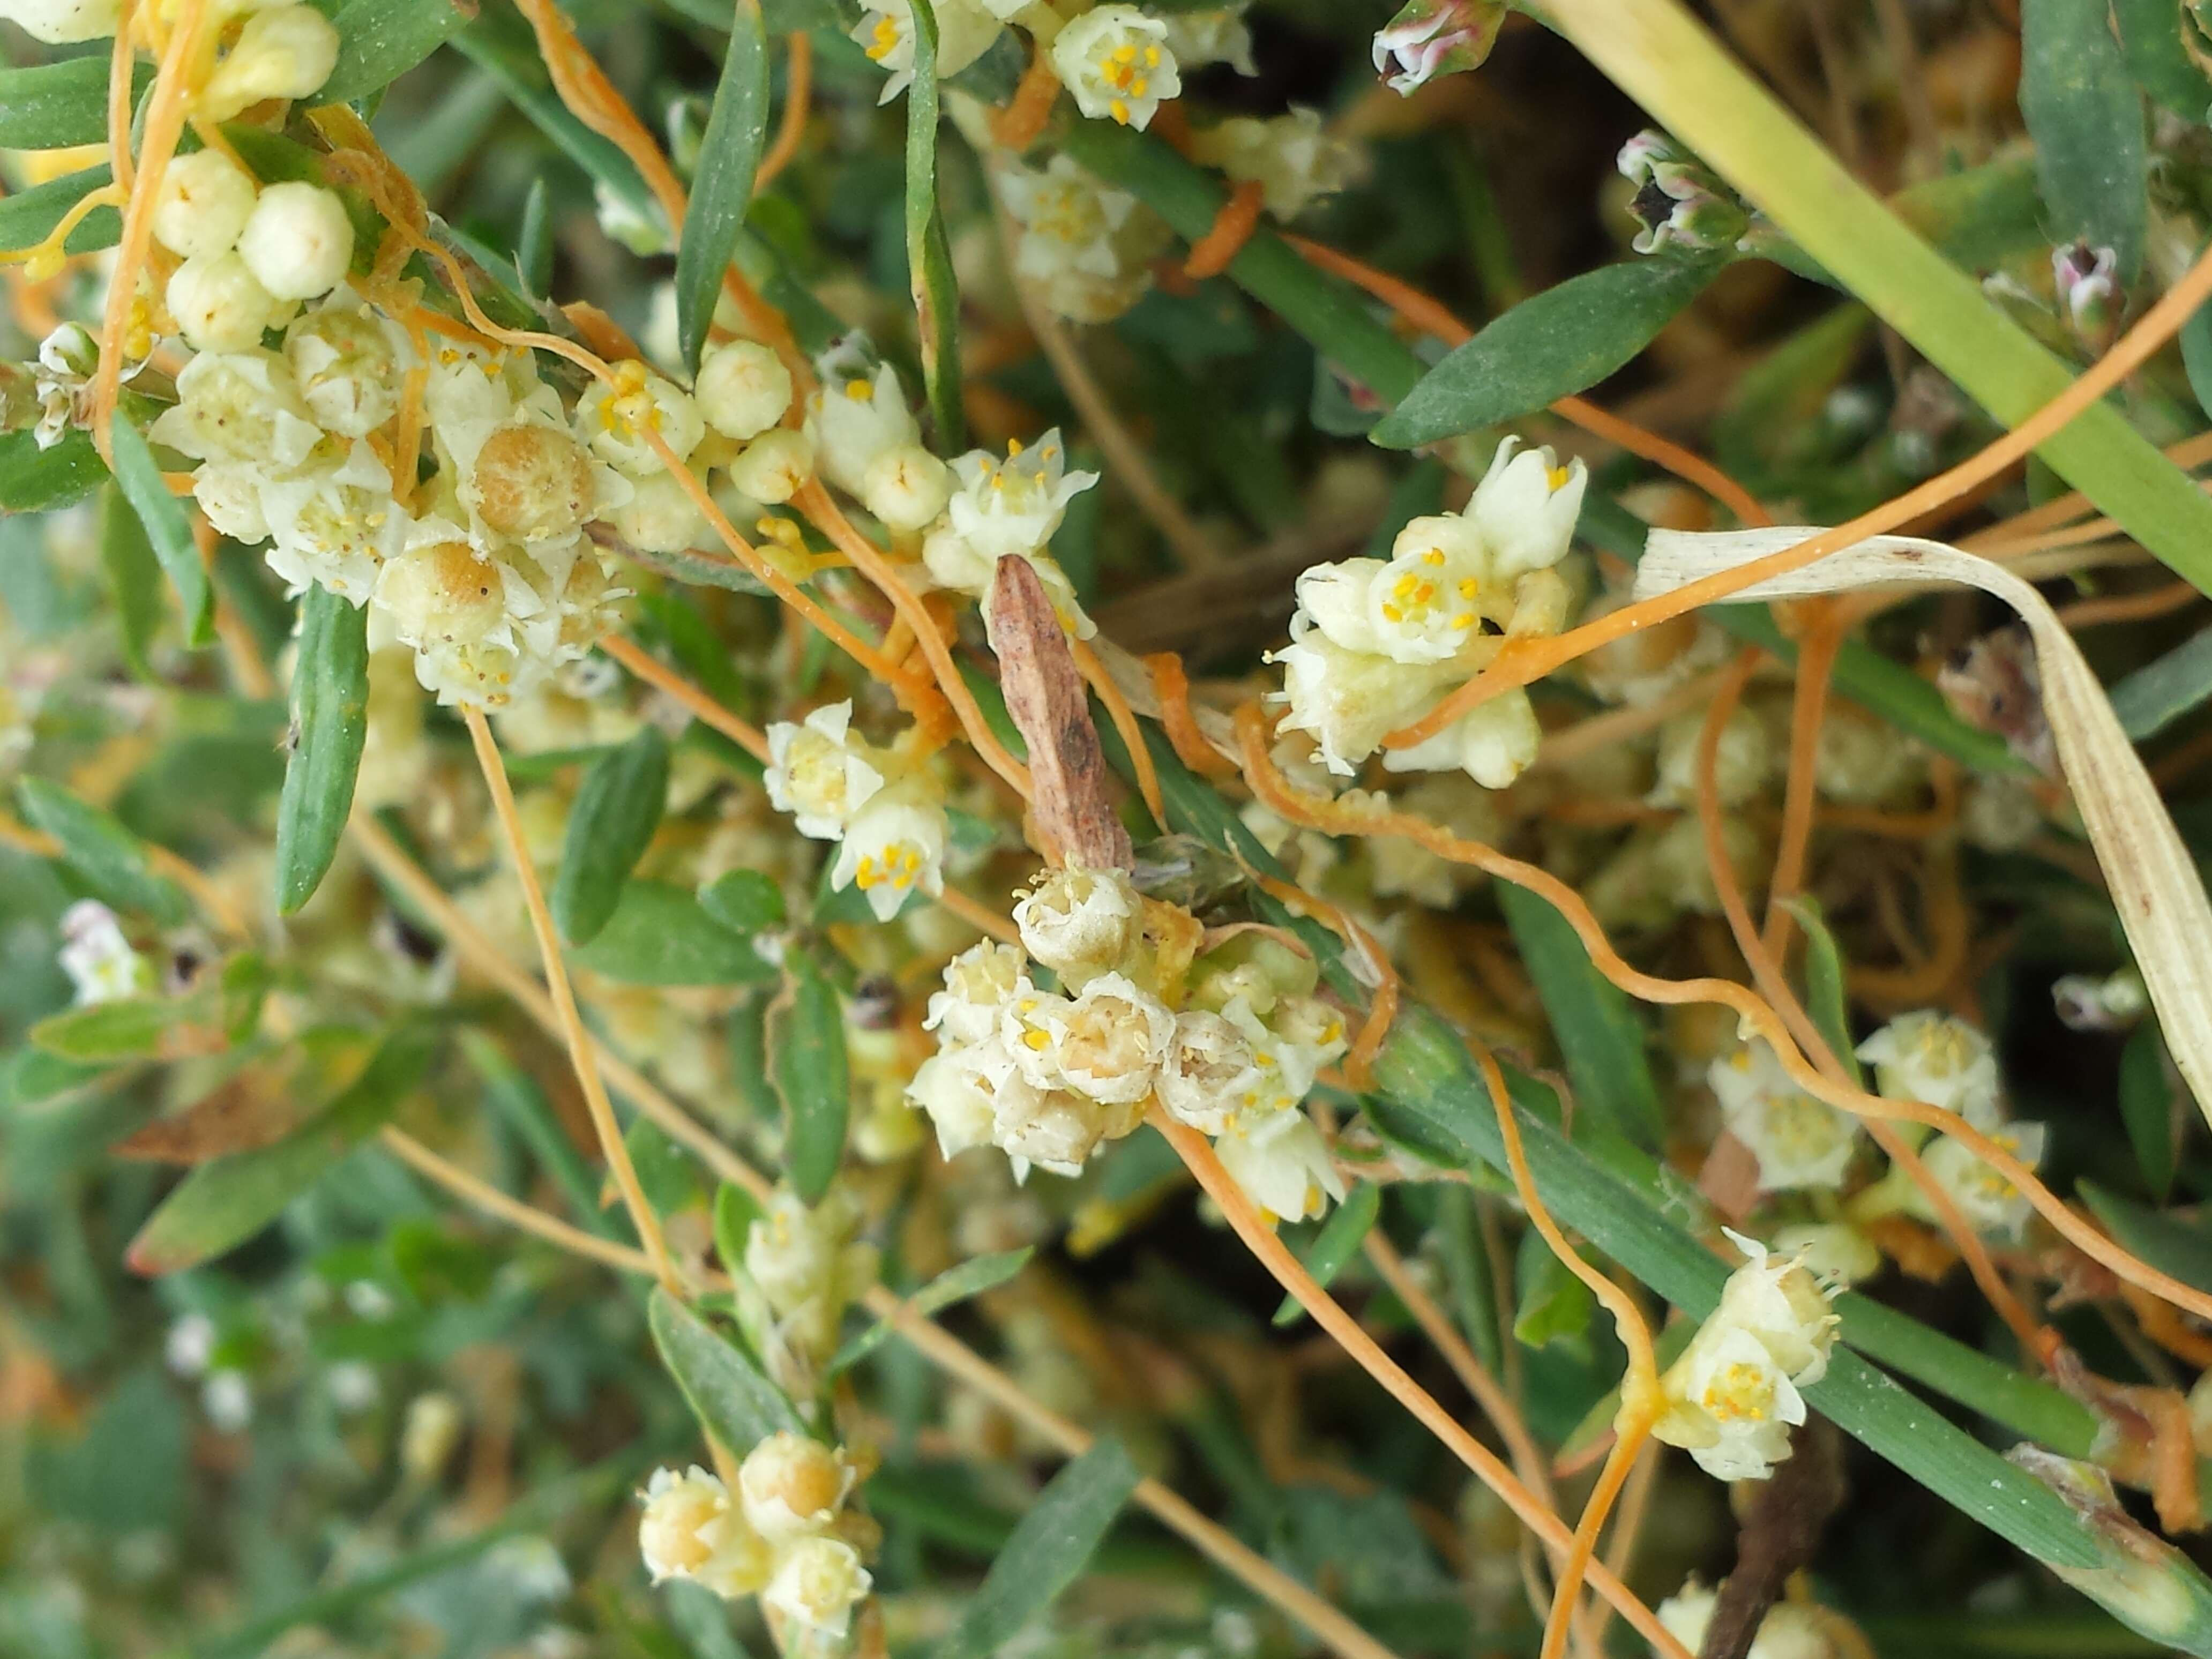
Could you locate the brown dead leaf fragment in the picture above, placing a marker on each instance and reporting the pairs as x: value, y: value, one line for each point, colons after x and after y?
x: 257, y: 1108
x: 1045, y: 696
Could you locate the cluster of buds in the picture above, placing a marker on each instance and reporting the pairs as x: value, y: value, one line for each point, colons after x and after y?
x: 1732, y: 1398
x: 1229, y: 1044
x: 1679, y: 202
x: 1377, y: 643
x: 1290, y: 157
x: 809, y: 1265
x: 785, y: 1535
x: 880, y: 805
x: 1086, y: 247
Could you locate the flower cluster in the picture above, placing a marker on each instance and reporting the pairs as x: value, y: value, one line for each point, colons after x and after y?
x: 1229, y: 1044
x: 808, y: 1265
x: 1087, y: 248
x: 1732, y: 1399
x: 884, y: 811
x: 1803, y: 1144
x: 1377, y: 643
x: 785, y: 1535
x: 1290, y: 157
x: 1790, y: 1630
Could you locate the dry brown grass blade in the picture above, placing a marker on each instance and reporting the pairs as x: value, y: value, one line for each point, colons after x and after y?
x: 2154, y: 881
x: 1045, y: 698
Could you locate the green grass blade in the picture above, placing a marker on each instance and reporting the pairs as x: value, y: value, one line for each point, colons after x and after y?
x: 1046, y: 1552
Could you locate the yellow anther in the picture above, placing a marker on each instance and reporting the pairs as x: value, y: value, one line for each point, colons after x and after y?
x: 859, y: 391
x: 1434, y: 555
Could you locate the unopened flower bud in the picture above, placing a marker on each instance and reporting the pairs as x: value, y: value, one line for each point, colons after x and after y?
x: 1079, y: 922
x: 286, y: 52
x: 204, y: 202
x: 1429, y: 37
x: 431, y: 1430
x: 743, y: 388
x: 298, y: 241
x: 906, y: 487
x: 790, y: 1483
x: 772, y: 467
x: 1679, y: 202
x: 659, y: 517
x: 2087, y: 282
x: 218, y: 304
x: 817, y: 1582
x: 61, y: 22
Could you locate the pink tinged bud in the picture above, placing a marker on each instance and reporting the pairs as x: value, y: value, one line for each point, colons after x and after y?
x: 1429, y: 37
x: 2087, y: 287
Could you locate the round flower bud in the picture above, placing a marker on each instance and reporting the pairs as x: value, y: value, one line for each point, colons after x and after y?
x: 774, y: 466
x: 347, y: 367
x: 790, y: 1484
x: 954, y: 1094
x: 817, y: 1582
x: 906, y: 487
x: 533, y: 482
x: 743, y: 388
x: 61, y: 22
x: 1055, y: 1129
x: 977, y: 983
x: 1079, y: 922
x: 298, y: 241
x: 204, y: 202
x: 445, y: 591
x: 431, y: 1430
x: 285, y: 51
x: 659, y: 517
x: 674, y: 1534
x: 218, y: 305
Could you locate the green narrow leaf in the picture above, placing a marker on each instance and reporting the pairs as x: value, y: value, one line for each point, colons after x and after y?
x: 534, y: 243
x: 746, y: 901
x: 971, y: 1278
x: 168, y: 529
x: 929, y: 251
x: 28, y: 217
x: 807, y: 1052
x: 35, y: 480
x: 134, y: 578
x: 1335, y: 1244
x: 379, y: 41
x: 1596, y: 1030
x: 1467, y: 1266
x: 2147, y: 1106
x: 722, y: 189
x: 735, y: 1211
x: 1550, y: 1304
x: 2168, y: 1242
x: 1046, y: 1552
x: 618, y: 809
x: 2087, y: 120
x: 727, y: 1392
x: 2150, y: 36
x: 223, y: 1203
x: 1560, y: 341
x: 56, y: 105
x: 659, y: 935
x: 2163, y: 691
x: 329, y: 727
x: 1826, y: 997
x: 126, y: 1027
x: 112, y: 861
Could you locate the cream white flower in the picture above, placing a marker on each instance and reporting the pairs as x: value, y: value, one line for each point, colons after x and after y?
x: 1984, y: 1196
x: 1743, y: 759
x: 1292, y: 157
x: 1309, y: 1033
x: 1526, y: 507
x: 285, y: 51
x: 347, y: 362
x: 1281, y: 1161
x: 203, y: 204
x: 1348, y: 700
x: 682, y: 1511
x: 820, y: 771
x: 790, y: 1484
x: 1028, y: 1037
x: 965, y: 31
x: 1778, y: 1300
x: 894, y: 845
x: 334, y: 526
x: 954, y: 1087
x: 218, y: 305
x: 238, y: 406
x: 1935, y: 1058
x: 743, y: 388
x: 61, y: 22
x: 816, y: 1584
x: 297, y: 241
x: 230, y: 497
x: 1200, y: 38
x: 855, y: 416
x: 809, y: 1265
x: 1117, y: 63
x: 659, y: 516
x: 773, y: 466
x: 1801, y: 1142
x: 1210, y: 1071
x: 1422, y: 606
x: 1493, y: 743
x: 97, y: 958
x: 1831, y: 1250
x: 1862, y: 761
x: 1788, y: 1632
x: 1081, y: 923
x: 1086, y: 246
x: 977, y: 983
x: 1053, y: 1128
x: 906, y: 488
x: 1111, y: 1040
x: 614, y: 420
x: 1013, y: 506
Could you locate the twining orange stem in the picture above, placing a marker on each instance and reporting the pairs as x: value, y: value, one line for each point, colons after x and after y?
x: 1210, y: 255
x: 1816, y: 656
x: 1171, y: 687
x: 1277, y: 792
x: 1523, y: 661
x: 1021, y: 122
x: 2128, y: 607
x: 1260, y: 1238
x: 798, y: 97
x: 643, y: 664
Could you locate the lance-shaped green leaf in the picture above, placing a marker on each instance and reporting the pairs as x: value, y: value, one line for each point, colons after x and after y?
x: 929, y: 251
x: 2087, y: 118
x: 329, y: 727
x: 971, y: 1277
x: 1555, y: 343
x: 746, y: 900
x: 35, y: 480
x: 2164, y: 689
x: 28, y: 217
x: 1826, y: 997
x: 56, y: 105
x: 113, y: 862
x: 2150, y: 36
x: 1336, y: 1244
x: 168, y: 529
x: 806, y: 1057
x: 124, y: 1027
x: 722, y: 188
x: 659, y: 935
x: 2147, y: 1104
x: 223, y: 1203
x: 2168, y: 1242
x: 379, y: 41
x: 618, y: 808
x: 134, y: 578
x: 735, y: 1211
x: 1597, y: 1032
x: 534, y: 243
x: 728, y: 1392
x: 1046, y: 1552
